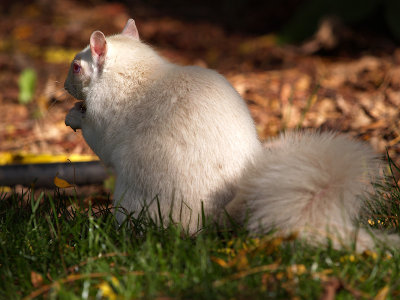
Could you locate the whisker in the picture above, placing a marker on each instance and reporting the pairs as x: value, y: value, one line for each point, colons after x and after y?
x: 52, y: 104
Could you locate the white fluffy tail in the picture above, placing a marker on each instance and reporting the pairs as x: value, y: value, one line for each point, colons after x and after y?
x: 311, y: 183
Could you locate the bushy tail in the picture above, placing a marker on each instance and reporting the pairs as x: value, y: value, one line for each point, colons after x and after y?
x: 311, y: 183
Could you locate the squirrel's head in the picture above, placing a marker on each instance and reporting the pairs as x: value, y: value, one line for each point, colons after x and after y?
x: 90, y: 63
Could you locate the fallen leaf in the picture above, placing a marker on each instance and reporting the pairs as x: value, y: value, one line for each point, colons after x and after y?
x: 36, y: 279
x: 59, y: 55
x: 241, y: 261
x: 107, y: 291
x: 27, y: 85
x: 330, y: 289
x: 220, y: 262
x: 61, y: 183
x: 22, y: 32
x: 245, y: 273
x: 5, y: 189
x: 382, y: 294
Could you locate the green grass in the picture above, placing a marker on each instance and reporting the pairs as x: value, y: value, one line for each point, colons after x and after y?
x: 51, y: 247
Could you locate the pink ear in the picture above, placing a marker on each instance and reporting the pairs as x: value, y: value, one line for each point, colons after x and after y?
x: 98, y: 46
x: 131, y: 30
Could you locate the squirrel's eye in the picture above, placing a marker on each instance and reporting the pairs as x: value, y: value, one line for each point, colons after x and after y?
x: 76, y: 67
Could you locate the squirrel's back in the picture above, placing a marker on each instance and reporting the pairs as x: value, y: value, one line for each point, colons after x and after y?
x: 190, y: 137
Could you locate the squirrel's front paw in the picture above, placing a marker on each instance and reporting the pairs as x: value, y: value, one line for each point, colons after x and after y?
x: 75, y: 116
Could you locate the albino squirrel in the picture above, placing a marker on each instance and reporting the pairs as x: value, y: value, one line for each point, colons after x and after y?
x: 183, y: 135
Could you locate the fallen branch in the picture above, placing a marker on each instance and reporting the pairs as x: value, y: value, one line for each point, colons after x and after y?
x: 42, y: 175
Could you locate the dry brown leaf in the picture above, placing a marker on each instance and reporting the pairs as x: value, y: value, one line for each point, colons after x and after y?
x: 220, y: 262
x: 36, y: 279
x: 61, y: 183
x: 331, y: 287
x: 383, y: 293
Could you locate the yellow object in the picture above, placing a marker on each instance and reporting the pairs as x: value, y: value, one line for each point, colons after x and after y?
x: 5, y: 189
x: 350, y: 258
x: 7, y: 158
x: 369, y: 253
x: 383, y: 293
x: 220, y: 262
x: 61, y: 183
x: 107, y: 290
x: 59, y: 55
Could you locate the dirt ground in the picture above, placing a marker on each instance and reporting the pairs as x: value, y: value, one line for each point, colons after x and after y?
x: 317, y: 84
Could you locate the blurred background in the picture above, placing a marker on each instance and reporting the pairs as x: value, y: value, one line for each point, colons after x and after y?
x: 297, y: 63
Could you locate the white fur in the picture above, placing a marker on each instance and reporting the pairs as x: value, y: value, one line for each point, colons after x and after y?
x: 185, y: 136
x: 181, y: 134
x: 311, y: 183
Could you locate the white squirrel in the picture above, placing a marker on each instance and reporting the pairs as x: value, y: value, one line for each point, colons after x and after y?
x: 183, y: 135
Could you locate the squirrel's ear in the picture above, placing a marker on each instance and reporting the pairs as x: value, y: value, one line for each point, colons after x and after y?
x: 130, y: 29
x: 98, y: 46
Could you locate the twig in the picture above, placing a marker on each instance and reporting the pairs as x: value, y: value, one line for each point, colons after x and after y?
x: 245, y: 273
